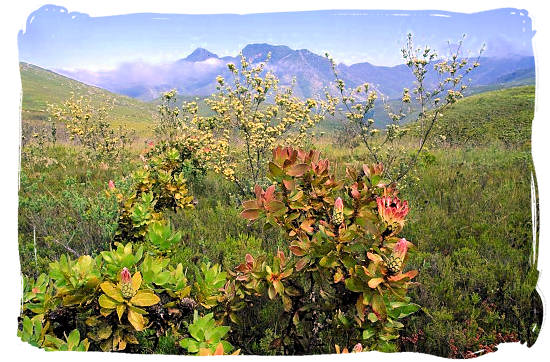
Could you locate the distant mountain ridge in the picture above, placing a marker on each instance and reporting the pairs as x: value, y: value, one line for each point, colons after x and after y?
x: 195, y: 74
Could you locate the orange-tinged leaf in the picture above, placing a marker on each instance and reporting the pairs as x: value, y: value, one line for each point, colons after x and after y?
x: 306, y: 225
x: 374, y: 257
x: 297, y: 170
x: 219, y: 350
x: 250, y: 214
x: 410, y: 274
x: 374, y: 282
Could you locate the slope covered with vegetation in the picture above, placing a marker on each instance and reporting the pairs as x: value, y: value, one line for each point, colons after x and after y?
x: 502, y: 115
x: 42, y: 87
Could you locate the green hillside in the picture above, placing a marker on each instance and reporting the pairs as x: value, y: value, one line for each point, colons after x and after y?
x: 505, y: 115
x: 42, y: 87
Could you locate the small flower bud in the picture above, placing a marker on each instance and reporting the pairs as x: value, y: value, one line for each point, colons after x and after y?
x: 125, y: 276
x: 338, y: 212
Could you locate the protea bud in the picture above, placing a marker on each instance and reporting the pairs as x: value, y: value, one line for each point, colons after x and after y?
x: 394, y: 262
x: 126, y: 284
x: 111, y: 185
x: 400, y: 248
x: 338, y: 212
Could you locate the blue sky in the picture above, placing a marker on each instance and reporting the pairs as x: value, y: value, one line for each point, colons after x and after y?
x: 56, y: 38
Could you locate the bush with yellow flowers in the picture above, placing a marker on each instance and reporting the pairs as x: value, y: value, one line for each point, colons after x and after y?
x: 90, y: 127
x: 439, y: 81
x: 236, y: 128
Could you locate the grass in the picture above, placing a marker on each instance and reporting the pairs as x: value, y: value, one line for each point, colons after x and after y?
x: 504, y: 115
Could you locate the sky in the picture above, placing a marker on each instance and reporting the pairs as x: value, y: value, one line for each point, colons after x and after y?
x: 57, y: 38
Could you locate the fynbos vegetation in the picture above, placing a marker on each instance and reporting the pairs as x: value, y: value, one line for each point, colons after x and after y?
x: 235, y: 226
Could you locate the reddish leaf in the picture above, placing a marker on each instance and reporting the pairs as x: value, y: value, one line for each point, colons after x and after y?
x: 269, y: 192
x: 302, y: 263
x: 250, y: 214
x: 296, y: 250
x: 250, y: 204
x: 289, y: 184
x: 297, y: 170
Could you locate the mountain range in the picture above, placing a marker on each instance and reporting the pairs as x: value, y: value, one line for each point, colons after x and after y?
x: 195, y: 75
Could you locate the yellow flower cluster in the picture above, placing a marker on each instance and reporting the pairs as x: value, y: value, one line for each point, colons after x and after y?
x: 91, y: 128
x: 243, y: 121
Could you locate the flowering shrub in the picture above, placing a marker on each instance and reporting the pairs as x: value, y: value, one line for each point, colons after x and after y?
x: 345, y: 268
x: 91, y: 128
x: 434, y: 91
x: 249, y: 112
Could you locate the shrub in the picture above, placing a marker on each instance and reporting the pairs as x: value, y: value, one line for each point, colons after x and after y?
x: 158, y: 186
x: 112, y: 297
x: 92, y: 129
x: 432, y: 94
x: 345, y: 271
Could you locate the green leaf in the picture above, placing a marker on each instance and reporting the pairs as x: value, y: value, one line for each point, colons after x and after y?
x: 74, y: 339
x: 107, y: 302
x: 378, y: 305
x: 408, y: 310
x: 368, y: 333
x: 275, y: 170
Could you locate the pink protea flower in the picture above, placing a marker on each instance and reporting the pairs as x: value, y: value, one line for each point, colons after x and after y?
x: 125, y: 276
x: 400, y: 248
x: 111, y: 185
x: 338, y: 212
x: 357, y: 348
x: 392, y: 210
x: 339, y: 204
